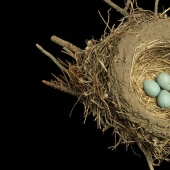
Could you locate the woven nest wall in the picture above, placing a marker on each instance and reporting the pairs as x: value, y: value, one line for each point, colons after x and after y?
x: 108, y: 76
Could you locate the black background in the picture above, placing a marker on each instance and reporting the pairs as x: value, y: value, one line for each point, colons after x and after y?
x: 49, y: 138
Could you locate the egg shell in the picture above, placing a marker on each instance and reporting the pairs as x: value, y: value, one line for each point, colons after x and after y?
x: 163, y: 99
x: 151, y: 88
x: 163, y: 79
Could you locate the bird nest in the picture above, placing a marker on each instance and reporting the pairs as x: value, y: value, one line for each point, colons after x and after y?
x: 108, y: 76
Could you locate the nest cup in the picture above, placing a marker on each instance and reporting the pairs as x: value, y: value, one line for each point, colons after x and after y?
x: 150, y: 60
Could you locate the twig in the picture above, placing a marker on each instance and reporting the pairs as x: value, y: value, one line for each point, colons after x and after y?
x: 107, y: 23
x: 149, y: 162
x: 127, y: 5
x: 113, y: 5
x: 48, y: 83
x: 51, y: 57
x: 66, y: 44
x: 68, y: 52
x: 165, y: 11
x: 148, y: 157
x: 76, y: 102
x: 156, y: 6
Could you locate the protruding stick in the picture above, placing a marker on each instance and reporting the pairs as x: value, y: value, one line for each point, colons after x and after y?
x: 47, y: 83
x: 148, y: 157
x: 164, y: 13
x: 51, y: 57
x: 66, y: 44
x: 113, y: 5
x: 156, y: 6
x: 127, y: 5
x: 149, y: 162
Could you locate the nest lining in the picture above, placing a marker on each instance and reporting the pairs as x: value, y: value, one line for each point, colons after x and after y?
x: 150, y: 60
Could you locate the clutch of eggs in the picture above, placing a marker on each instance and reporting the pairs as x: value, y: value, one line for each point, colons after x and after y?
x: 153, y: 89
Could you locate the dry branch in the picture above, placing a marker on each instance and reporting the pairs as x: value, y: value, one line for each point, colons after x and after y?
x: 113, y: 5
x: 156, y: 6
x: 65, y: 44
x: 51, y: 57
x: 127, y: 5
x: 148, y: 156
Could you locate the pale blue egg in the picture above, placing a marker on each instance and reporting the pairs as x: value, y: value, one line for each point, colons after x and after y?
x: 163, y: 99
x: 151, y: 88
x: 163, y: 79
